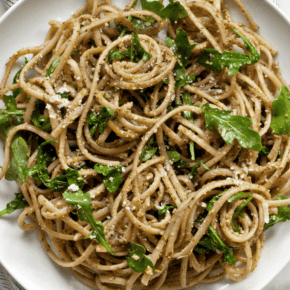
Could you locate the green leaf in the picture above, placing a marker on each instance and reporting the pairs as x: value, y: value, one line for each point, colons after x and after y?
x: 18, y: 203
x: 39, y: 121
x: 18, y: 166
x: 100, y: 119
x: 64, y: 95
x: 232, y: 127
x: 165, y: 209
x: 137, y: 51
x: 282, y: 216
x: 212, y: 201
x: 141, y: 24
x: 16, y: 77
x: 74, y: 52
x: 75, y: 197
x: 191, y: 150
x: 215, y: 60
x: 280, y: 123
x: 53, y: 66
x: 123, y: 30
x: 238, y: 213
x: 46, y: 154
x: 194, y: 170
x: 112, y: 177
x: 173, y: 11
x: 137, y: 259
x: 187, y: 101
x: 212, y: 242
x: 117, y: 54
x: 238, y: 195
x: 265, y: 151
x: 149, y: 149
x: 181, y: 164
x: 174, y: 156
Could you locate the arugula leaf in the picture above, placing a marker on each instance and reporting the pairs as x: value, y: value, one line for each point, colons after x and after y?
x: 212, y: 201
x: 92, y: 42
x: 116, y: 53
x: 191, y: 150
x: 64, y: 95
x: 181, y: 164
x: 165, y: 209
x: 282, y: 216
x: 141, y: 24
x: 53, y: 66
x: 280, y: 123
x: 149, y: 149
x: 187, y: 101
x: 215, y: 60
x: 182, y: 49
x: 112, y: 177
x: 194, y: 170
x: 232, y: 127
x: 174, y: 156
x: 137, y: 51
x: 40, y: 122
x: 16, y: 77
x: 238, y: 213
x: 74, y: 52
x: 75, y: 197
x: 18, y: 166
x: 46, y: 155
x: 18, y: 203
x: 265, y: 151
x: 100, y: 119
x: 212, y: 242
x: 173, y: 11
x: 11, y: 111
x: 137, y: 259
x: 123, y: 30
x: 237, y: 196
x: 173, y: 105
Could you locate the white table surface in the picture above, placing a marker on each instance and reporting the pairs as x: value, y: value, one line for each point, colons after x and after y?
x: 280, y: 282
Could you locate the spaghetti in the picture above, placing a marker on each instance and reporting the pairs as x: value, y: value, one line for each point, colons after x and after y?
x: 149, y: 163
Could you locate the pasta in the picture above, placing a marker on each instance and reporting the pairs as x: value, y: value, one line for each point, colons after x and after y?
x: 148, y: 162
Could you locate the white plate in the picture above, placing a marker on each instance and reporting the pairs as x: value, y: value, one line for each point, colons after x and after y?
x: 25, y: 25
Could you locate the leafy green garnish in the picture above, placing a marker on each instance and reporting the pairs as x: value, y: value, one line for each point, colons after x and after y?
x: 191, y: 150
x: 46, y: 154
x: 137, y: 259
x: 232, y: 127
x: 18, y: 203
x: 136, y: 52
x: 149, y: 149
x: 11, y: 111
x: 165, y: 209
x: 18, y: 166
x: 212, y: 242
x: 187, y: 101
x: 238, y: 213
x: 53, y: 66
x: 280, y: 123
x: 16, y: 77
x: 74, y: 52
x: 265, y: 151
x: 215, y: 60
x: 283, y: 214
x: 237, y: 196
x: 212, y: 201
x: 173, y: 11
x: 40, y: 122
x: 75, y: 197
x: 182, y: 49
x: 100, y: 119
x: 112, y: 177
x: 194, y: 170
x: 123, y: 30
x: 64, y: 95
x: 174, y: 156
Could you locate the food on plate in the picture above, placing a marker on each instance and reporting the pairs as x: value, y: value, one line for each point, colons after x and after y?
x: 145, y: 161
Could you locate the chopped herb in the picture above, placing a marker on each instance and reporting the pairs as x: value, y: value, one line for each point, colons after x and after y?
x: 137, y: 259
x: 16, y: 77
x: 18, y: 203
x: 283, y: 214
x: 215, y: 60
x: 74, y: 52
x: 39, y: 121
x: 194, y: 170
x: 64, y: 95
x: 149, y: 149
x: 100, y: 119
x: 280, y: 123
x: 187, y: 101
x: 237, y: 196
x: 165, y: 209
x: 112, y: 177
x: 123, y: 30
x: 232, y: 127
x: 191, y: 150
x: 53, y: 66
x: 212, y: 201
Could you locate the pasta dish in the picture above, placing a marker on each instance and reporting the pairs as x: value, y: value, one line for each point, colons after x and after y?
x: 150, y: 144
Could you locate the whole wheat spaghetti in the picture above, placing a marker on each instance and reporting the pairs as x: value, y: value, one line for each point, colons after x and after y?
x: 144, y: 162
